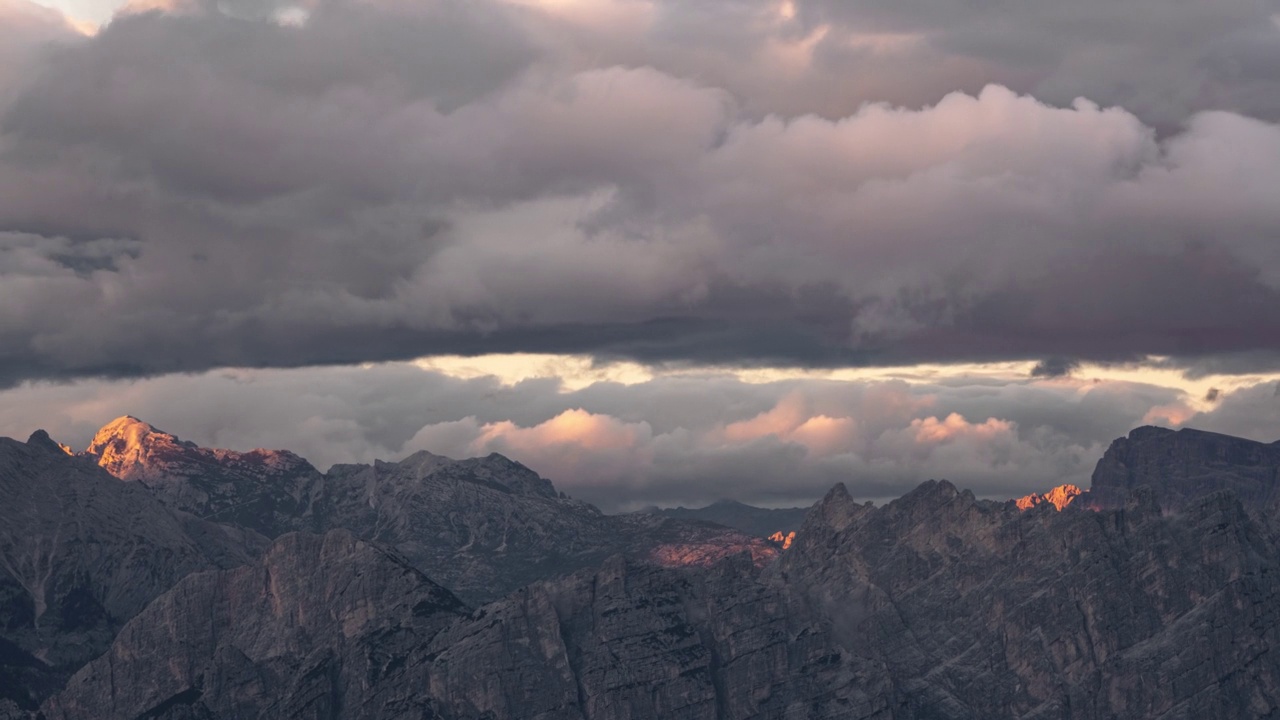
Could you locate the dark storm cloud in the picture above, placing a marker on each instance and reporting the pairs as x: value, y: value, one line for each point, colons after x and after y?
x: 1054, y: 367
x: 213, y: 186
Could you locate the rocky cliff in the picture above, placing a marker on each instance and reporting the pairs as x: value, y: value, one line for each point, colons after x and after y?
x: 980, y: 610
x: 481, y: 526
x: 371, y: 638
x: 267, y: 491
x: 320, y: 627
x: 1184, y: 465
x: 80, y: 554
x: 935, y: 606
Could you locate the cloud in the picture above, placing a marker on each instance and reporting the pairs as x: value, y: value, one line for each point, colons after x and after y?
x: 208, y: 186
x: 1054, y: 367
x: 666, y: 439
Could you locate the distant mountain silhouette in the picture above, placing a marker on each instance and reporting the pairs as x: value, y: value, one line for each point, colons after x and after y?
x: 760, y: 522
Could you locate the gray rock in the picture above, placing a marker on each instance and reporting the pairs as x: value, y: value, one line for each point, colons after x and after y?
x: 756, y: 521
x: 482, y: 526
x: 982, y: 611
x: 80, y: 554
x: 486, y: 526
x: 320, y: 627
x: 1163, y: 604
x: 1186, y: 464
x: 372, y: 638
x: 267, y: 491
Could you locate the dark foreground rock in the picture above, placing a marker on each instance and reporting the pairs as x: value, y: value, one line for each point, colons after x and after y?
x: 80, y: 554
x: 321, y: 627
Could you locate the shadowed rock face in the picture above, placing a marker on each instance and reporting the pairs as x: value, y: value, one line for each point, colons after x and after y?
x: 982, y: 611
x: 320, y: 627
x: 80, y: 554
x: 1186, y: 464
x: 638, y: 641
x: 371, y: 638
x: 935, y: 606
x: 486, y: 526
x: 759, y: 522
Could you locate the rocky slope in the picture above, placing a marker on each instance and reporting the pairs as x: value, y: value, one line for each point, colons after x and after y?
x: 486, y: 526
x: 1165, y: 604
x: 273, y: 639
x: 267, y: 491
x: 1183, y: 465
x: 934, y: 606
x: 980, y: 610
x: 637, y: 641
x: 371, y: 638
x: 80, y: 554
x: 756, y: 521
x: 482, y: 526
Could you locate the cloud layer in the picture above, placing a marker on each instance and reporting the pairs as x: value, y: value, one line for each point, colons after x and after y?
x: 670, y: 439
x: 805, y: 184
x: 258, y: 184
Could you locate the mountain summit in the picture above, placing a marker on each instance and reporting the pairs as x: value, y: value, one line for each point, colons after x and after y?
x: 1180, y: 466
x: 267, y: 491
x: 484, y: 526
x: 132, y: 449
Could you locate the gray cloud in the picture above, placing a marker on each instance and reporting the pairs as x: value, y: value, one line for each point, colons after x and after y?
x: 671, y: 440
x: 1252, y: 411
x: 1054, y: 367
x: 668, y: 182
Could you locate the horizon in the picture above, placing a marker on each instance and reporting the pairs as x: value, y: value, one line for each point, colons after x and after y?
x: 622, y: 506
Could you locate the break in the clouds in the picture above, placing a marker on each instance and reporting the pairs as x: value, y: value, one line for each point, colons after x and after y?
x: 808, y: 183
x: 628, y: 441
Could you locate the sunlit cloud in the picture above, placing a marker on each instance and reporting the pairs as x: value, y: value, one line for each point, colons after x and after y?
x: 625, y: 437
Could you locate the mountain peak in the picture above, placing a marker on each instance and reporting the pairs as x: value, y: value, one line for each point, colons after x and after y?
x: 1059, y: 497
x: 125, y: 446
x: 1182, y: 465
x: 836, y: 510
x: 41, y: 439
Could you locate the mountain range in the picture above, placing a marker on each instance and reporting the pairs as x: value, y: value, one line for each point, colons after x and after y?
x: 151, y: 578
x: 761, y: 522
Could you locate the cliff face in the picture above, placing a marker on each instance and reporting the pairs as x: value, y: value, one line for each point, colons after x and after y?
x: 934, y: 606
x: 371, y: 638
x: 320, y: 627
x: 486, y: 526
x: 1165, y: 604
x: 982, y: 611
x: 638, y: 641
x: 80, y: 554
x: 1185, y: 464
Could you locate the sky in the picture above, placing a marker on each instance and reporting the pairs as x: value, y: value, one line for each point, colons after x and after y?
x: 662, y: 252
